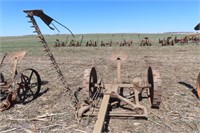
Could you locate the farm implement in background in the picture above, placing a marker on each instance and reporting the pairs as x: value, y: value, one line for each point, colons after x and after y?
x: 71, y: 43
x: 145, y: 41
x: 182, y: 40
x: 125, y: 42
x: 91, y: 43
x: 193, y: 38
x: 22, y: 87
x: 166, y: 42
x: 109, y: 43
x: 118, y: 99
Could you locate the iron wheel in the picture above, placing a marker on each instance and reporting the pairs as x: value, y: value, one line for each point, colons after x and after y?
x: 89, y: 81
x: 198, y: 86
x: 28, y: 85
x: 155, y: 90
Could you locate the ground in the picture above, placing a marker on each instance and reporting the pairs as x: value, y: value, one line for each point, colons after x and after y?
x: 51, y: 112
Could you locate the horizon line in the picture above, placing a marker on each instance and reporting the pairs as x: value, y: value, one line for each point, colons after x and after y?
x: 180, y: 32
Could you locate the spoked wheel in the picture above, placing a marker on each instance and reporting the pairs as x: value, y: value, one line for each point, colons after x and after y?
x: 155, y: 90
x: 28, y: 85
x: 89, y: 81
x: 198, y: 86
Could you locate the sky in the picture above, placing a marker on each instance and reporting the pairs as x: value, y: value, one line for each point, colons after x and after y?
x: 102, y: 16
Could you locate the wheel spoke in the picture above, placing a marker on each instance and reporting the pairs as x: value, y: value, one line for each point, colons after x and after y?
x: 21, y: 93
x: 30, y: 77
x: 31, y: 91
x: 22, y: 78
x: 30, y: 85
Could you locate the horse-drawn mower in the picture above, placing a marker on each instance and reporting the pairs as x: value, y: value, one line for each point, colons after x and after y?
x: 22, y: 87
x: 119, y: 99
x: 124, y: 97
x: 145, y: 42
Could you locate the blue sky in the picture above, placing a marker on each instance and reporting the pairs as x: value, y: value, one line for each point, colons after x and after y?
x: 102, y: 16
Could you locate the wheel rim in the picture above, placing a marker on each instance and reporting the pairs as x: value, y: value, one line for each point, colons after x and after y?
x: 89, y: 81
x: 150, y: 81
x: 1, y: 78
x: 28, y: 85
x: 93, y: 81
x: 155, y: 90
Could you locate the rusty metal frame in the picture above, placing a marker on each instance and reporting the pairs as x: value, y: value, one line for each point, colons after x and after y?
x: 198, y: 86
x: 112, y: 91
x: 11, y: 87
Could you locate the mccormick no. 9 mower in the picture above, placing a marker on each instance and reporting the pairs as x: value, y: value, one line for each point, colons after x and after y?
x: 119, y: 98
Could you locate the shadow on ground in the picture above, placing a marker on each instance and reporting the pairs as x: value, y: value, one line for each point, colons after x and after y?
x: 190, y: 87
x: 42, y: 91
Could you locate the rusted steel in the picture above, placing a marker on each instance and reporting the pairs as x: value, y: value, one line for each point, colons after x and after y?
x: 59, y: 43
x: 198, y: 86
x: 166, y: 42
x: 106, y: 43
x: 14, y: 57
x: 89, y: 81
x: 91, y: 43
x: 129, y: 95
x: 126, y: 43
x: 84, y: 108
x: 71, y: 43
x: 1, y: 79
x: 145, y: 42
x: 1, y: 75
x: 74, y: 43
x: 45, y: 18
x: 4, y: 56
x: 30, y: 14
x: 194, y: 38
x: 118, y: 71
x: 181, y: 40
x: 21, y: 87
x: 28, y: 82
x: 8, y: 102
x: 155, y: 82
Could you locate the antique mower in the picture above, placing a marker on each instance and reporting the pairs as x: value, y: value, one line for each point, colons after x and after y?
x: 123, y: 97
x: 22, y: 87
x: 145, y: 42
x: 119, y: 99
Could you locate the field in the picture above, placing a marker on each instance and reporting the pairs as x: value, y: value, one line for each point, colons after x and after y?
x: 179, y: 66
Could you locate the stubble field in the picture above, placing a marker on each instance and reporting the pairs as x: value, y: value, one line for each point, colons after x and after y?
x: 179, y: 66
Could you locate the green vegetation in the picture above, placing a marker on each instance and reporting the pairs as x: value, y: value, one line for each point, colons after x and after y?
x: 31, y: 44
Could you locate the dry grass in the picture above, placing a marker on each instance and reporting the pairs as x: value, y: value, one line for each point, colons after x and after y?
x: 180, y: 108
